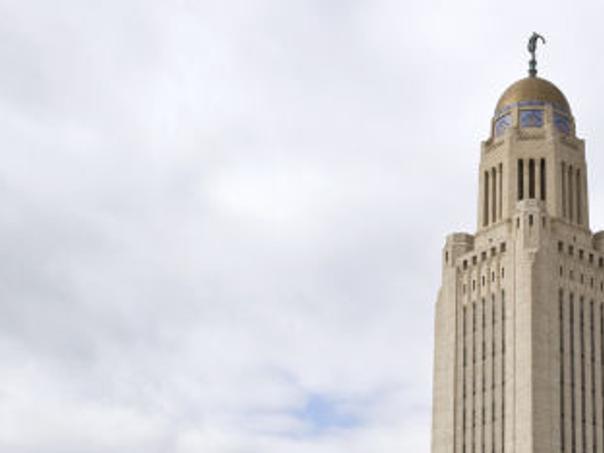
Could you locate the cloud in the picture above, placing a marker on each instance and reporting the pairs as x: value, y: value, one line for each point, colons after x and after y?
x: 221, y: 222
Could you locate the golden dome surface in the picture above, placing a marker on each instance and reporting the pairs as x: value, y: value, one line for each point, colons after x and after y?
x: 533, y: 89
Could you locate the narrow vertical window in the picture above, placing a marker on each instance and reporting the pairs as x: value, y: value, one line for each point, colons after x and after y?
x: 473, y: 373
x: 571, y: 213
x: 500, y: 192
x: 494, y: 197
x: 531, y: 178
x: 520, y: 179
x: 592, y: 352
x: 502, y: 371
x: 543, y: 182
x: 573, y: 437
x: 602, y: 356
x: 493, y: 405
x: 582, y: 371
x: 563, y: 185
x: 482, y: 366
x: 561, y: 329
x: 486, y: 199
x: 493, y: 338
x: 463, y: 379
x: 578, y: 181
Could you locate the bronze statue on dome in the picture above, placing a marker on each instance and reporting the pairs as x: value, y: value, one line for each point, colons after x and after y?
x: 532, y: 48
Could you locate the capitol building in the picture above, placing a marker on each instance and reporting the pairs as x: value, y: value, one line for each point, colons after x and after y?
x: 519, y: 329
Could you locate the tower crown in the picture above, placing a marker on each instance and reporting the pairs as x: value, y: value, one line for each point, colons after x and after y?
x: 532, y: 91
x: 533, y: 153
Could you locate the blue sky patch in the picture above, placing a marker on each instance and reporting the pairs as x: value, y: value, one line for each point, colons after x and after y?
x: 322, y: 413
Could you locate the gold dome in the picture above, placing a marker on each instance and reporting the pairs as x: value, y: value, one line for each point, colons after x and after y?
x: 533, y: 89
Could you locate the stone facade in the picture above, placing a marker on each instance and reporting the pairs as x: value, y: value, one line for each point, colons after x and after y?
x: 519, y: 328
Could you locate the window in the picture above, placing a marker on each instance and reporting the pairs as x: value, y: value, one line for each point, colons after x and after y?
x: 531, y: 178
x: 531, y: 118
x: 502, y: 123
x: 520, y: 172
x: 562, y: 123
x: 494, y: 195
x: 500, y: 200
x: 571, y: 201
x: 561, y: 384
x: 563, y: 173
x: 543, y: 181
x: 578, y: 191
x: 485, y: 215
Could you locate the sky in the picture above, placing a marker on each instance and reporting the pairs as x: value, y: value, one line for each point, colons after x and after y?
x: 221, y: 221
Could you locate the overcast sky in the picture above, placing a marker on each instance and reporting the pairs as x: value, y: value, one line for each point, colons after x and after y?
x: 221, y: 222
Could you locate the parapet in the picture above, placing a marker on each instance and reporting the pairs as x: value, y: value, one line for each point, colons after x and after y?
x: 460, y: 239
x: 456, y: 245
x: 598, y: 241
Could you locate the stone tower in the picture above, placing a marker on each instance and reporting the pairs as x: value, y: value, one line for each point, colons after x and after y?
x: 519, y: 330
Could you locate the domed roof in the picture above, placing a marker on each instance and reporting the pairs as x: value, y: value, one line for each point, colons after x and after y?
x: 533, y: 89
